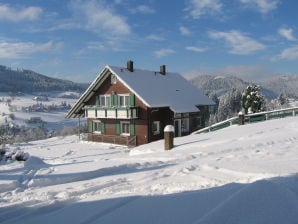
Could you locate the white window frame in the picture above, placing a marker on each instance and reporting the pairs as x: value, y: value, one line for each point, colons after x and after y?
x: 96, y: 123
x: 156, y: 131
x: 125, y: 100
x: 105, y: 100
x: 185, y: 125
x: 121, y: 128
x: 113, y: 79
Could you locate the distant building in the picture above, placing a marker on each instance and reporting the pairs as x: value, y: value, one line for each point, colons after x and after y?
x: 131, y: 106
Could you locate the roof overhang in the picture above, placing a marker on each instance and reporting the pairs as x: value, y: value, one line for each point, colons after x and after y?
x: 77, y: 110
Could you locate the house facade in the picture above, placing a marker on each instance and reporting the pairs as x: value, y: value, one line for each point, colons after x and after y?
x: 131, y: 106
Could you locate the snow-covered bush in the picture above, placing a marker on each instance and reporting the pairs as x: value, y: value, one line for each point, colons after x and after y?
x: 2, y: 153
x: 20, y: 155
x: 13, y: 155
x: 252, y: 100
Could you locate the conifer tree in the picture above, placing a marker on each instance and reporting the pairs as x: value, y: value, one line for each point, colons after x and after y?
x: 252, y: 100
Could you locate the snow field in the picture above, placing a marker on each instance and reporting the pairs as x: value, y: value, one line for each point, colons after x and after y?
x: 241, y: 174
x: 54, y: 120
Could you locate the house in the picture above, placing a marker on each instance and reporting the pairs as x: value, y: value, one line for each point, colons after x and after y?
x: 131, y: 106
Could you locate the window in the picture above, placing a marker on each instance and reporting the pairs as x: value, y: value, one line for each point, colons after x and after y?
x: 196, y: 122
x: 185, y: 125
x: 156, y: 127
x: 124, y: 128
x: 113, y: 79
x: 97, y: 126
x: 105, y: 100
x: 123, y: 100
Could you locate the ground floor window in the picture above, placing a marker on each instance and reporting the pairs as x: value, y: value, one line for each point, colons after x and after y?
x: 156, y: 127
x: 124, y: 128
x: 98, y: 127
x: 196, y: 122
x: 185, y: 125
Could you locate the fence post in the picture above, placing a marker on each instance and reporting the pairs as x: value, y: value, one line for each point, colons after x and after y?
x: 169, y: 137
x: 241, y: 118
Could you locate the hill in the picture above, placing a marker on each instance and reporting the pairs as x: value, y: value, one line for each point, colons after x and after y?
x: 270, y: 88
x: 286, y: 84
x: 29, y: 81
x: 218, y: 84
x: 241, y: 174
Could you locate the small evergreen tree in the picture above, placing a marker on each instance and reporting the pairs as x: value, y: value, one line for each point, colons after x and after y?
x: 252, y: 100
x: 283, y: 100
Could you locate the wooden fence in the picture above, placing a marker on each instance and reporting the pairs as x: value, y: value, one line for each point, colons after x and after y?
x: 251, y: 118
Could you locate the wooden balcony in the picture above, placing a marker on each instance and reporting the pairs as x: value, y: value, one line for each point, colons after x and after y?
x: 112, y: 112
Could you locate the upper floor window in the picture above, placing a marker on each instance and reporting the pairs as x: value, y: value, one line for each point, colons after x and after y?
x: 113, y: 79
x: 123, y: 100
x: 105, y: 100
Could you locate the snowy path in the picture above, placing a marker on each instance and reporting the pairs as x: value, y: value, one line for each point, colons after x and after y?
x: 244, y: 174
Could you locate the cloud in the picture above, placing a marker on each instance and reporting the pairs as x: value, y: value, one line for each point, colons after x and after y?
x: 155, y: 37
x: 143, y: 9
x: 198, y: 8
x: 13, y: 50
x: 287, y: 33
x: 263, y: 6
x: 290, y: 53
x: 8, y: 13
x: 239, y: 42
x: 164, y: 52
x: 99, y: 18
x: 184, y: 31
x: 195, y: 49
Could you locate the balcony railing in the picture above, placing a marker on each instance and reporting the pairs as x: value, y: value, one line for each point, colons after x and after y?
x: 112, y: 112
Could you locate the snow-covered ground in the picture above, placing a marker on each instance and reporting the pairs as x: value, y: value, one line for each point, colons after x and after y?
x: 53, y: 120
x: 241, y: 174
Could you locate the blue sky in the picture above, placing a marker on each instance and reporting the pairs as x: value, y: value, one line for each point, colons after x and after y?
x: 74, y: 39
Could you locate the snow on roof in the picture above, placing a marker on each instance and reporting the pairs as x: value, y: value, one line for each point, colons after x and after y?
x: 157, y: 90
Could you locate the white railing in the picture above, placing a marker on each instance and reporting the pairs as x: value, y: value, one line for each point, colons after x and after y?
x: 111, y: 112
x: 250, y: 118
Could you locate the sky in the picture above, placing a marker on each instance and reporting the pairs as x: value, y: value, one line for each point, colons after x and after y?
x: 75, y: 39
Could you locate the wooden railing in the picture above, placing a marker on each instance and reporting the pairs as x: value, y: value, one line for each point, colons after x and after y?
x: 130, y: 141
x: 251, y: 118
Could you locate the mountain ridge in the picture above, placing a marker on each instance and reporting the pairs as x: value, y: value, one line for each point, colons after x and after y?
x: 29, y: 81
x: 270, y: 88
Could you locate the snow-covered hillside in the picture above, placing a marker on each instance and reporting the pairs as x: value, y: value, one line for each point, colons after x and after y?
x: 241, y: 174
x: 50, y: 107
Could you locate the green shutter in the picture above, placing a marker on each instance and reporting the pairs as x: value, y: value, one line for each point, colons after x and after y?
x: 132, y: 99
x: 117, y: 128
x: 116, y: 100
x: 132, y: 129
x: 102, y: 128
x: 111, y: 100
x: 90, y: 126
x: 97, y: 100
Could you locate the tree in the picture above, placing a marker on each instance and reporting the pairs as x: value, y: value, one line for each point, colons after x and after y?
x: 252, y: 100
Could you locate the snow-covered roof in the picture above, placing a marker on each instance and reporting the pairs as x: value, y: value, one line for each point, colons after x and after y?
x: 157, y: 90
x: 154, y: 89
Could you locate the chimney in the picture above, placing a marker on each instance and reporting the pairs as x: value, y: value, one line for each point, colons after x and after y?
x: 130, y: 66
x: 163, y: 69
